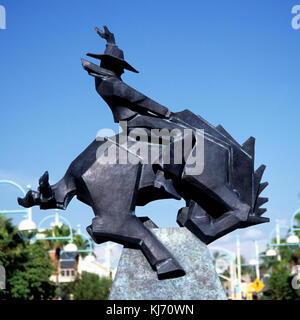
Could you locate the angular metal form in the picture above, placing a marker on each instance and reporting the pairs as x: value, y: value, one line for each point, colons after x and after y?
x: 220, y: 199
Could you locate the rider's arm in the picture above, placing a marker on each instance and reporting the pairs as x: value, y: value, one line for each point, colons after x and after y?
x: 137, y: 100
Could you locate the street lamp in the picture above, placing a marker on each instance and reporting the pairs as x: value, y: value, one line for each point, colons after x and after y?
x: 14, y: 184
x: 230, y: 260
x: 271, y: 252
x: 239, y: 270
x: 70, y: 247
x: 27, y: 224
x: 56, y: 223
x: 89, y: 247
x: 253, y: 262
x: 293, y: 239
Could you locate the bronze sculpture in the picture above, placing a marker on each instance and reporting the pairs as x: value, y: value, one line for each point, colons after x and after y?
x: 220, y: 199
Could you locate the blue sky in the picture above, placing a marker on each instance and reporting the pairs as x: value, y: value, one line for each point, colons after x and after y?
x: 233, y: 62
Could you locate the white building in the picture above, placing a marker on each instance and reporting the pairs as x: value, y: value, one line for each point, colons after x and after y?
x: 90, y: 264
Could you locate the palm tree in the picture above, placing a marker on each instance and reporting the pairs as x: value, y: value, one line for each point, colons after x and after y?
x: 56, y: 245
x: 82, y: 244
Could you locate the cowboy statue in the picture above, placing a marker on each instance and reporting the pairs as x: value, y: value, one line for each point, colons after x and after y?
x: 132, y: 107
x: 223, y: 196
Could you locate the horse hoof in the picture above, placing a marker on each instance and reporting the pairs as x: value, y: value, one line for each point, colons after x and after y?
x: 95, y: 238
x: 168, y: 269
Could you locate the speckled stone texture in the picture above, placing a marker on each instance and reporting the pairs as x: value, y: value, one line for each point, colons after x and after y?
x: 135, y: 279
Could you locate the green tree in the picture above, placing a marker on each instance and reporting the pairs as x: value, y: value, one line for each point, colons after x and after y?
x: 279, y: 283
x: 64, y: 231
x: 31, y: 280
x: 28, y: 266
x: 89, y: 286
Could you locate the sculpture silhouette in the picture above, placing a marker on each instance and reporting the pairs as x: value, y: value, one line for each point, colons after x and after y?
x: 220, y: 199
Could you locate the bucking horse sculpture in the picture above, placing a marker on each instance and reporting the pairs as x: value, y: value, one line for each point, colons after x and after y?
x: 223, y: 197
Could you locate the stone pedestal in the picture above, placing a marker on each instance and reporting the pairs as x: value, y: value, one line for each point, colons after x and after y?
x: 136, y: 280
x: 2, y: 277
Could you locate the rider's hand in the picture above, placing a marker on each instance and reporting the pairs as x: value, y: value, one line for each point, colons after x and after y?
x: 107, y: 35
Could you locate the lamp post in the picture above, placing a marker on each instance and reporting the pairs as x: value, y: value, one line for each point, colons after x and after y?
x: 232, y: 278
x: 230, y: 258
x: 56, y: 218
x: 27, y: 225
x: 293, y: 238
x: 14, y: 184
x: 89, y: 250
x: 70, y: 247
x: 278, y: 238
x: 271, y: 252
x: 238, y: 258
x: 257, y: 260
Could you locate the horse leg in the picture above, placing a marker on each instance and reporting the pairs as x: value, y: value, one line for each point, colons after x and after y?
x: 208, y: 228
x: 113, y: 191
x: 128, y: 230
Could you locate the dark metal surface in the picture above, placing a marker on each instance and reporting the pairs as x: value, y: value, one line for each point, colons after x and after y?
x: 224, y: 197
